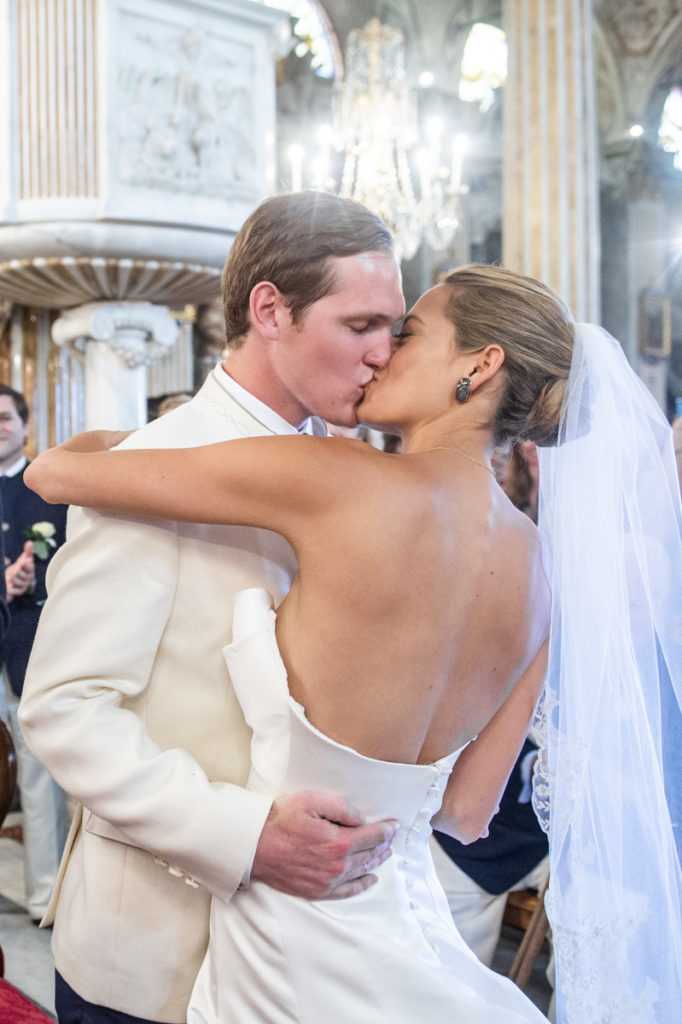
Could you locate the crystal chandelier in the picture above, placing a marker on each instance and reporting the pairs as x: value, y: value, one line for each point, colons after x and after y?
x: 412, y: 181
x: 376, y: 128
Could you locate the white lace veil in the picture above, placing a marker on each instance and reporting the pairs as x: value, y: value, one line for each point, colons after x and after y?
x: 609, y: 781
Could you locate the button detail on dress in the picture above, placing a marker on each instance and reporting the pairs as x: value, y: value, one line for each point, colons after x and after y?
x: 176, y: 872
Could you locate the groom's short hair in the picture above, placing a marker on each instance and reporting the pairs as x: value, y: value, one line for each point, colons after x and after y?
x: 289, y: 240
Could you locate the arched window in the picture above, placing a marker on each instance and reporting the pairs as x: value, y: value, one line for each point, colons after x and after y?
x: 315, y: 35
x: 670, y: 128
x: 484, y: 64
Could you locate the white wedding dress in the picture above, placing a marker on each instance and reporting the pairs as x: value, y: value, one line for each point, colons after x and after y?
x: 392, y: 953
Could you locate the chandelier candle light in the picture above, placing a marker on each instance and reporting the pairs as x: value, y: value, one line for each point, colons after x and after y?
x: 376, y: 128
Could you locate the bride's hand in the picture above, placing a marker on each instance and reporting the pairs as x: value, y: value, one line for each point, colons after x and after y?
x: 464, y: 832
x: 95, y: 440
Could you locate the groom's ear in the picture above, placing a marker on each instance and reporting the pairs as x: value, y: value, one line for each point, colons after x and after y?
x: 265, y: 305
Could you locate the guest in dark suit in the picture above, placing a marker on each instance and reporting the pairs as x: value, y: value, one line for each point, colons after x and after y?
x: 32, y: 531
x: 514, y: 855
x: 4, y: 609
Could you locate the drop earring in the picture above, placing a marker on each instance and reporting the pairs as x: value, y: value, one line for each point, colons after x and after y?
x: 463, y: 388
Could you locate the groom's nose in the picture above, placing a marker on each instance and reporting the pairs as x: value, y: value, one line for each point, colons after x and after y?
x: 380, y: 353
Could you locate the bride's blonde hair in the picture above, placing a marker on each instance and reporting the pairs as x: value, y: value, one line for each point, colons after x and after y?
x: 489, y: 305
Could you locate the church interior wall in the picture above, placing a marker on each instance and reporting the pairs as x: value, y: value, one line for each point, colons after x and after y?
x: 638, y: 59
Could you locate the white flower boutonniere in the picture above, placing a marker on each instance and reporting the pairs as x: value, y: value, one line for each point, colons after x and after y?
x: 42, y: 535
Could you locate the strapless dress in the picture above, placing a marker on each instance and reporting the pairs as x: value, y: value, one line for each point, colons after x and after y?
x: 390, y: 955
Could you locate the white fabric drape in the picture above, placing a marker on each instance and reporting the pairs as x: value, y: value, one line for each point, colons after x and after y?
x: 609, y: 781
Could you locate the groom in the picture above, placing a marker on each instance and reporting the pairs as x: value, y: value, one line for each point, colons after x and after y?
x: 127, y: 700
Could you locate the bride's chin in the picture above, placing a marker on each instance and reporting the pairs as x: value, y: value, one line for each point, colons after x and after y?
x: 376, y: 421
x: 371, y: 413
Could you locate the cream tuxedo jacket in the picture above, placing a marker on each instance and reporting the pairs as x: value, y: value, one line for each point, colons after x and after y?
x: 129, y: 705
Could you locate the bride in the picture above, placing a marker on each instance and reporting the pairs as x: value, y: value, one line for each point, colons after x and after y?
x: 403, y: 667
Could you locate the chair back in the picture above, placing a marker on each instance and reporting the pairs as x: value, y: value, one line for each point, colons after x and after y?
x: 8, y: 770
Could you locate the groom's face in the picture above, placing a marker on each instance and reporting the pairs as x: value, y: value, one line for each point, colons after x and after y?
x: 328, y: 359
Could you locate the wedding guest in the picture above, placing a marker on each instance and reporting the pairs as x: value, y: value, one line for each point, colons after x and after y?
x: 172, y: 402
x: 32, y: 532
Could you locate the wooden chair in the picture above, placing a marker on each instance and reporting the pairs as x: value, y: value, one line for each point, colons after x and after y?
x: 8, y: 770
x: 8, y: 782
x: 526, y: 909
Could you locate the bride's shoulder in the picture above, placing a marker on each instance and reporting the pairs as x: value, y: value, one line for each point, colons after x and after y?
x: 348, y: 453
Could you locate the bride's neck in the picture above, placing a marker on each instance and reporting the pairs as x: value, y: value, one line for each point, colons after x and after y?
x: 474, y: 441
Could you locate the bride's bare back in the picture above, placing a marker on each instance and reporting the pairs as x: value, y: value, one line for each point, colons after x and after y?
x: 419, y: 601
x: 417, y: 607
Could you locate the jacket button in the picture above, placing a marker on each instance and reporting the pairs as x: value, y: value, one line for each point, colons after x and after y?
x: 5, y: 527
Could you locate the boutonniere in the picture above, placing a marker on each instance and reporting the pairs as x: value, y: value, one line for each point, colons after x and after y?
x: 42, y: 535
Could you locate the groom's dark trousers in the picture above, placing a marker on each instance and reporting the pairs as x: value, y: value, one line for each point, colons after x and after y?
x: 71, y: 1009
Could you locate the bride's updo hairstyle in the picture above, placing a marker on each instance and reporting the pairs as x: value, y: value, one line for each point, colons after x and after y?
x: 489, y: 305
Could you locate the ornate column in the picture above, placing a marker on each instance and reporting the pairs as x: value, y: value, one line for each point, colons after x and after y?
x: 120, y: 339
x: 137, y: 136
x: 551, y: 225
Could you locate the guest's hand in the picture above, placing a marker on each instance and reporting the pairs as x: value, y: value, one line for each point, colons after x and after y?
x: 20, y: 576
x: 317, y: 847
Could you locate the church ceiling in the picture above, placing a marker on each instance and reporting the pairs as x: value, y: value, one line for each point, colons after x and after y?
x: 638, y: 46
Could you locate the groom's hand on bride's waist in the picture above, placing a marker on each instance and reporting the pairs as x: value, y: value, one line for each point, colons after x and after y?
x: 318, y: 847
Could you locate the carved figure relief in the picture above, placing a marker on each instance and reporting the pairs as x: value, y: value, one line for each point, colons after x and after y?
x: 186, y: 114
x: 638, y: 24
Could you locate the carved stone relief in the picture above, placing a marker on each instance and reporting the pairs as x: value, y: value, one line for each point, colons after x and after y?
x: 643, y: 40
x: 186, y: 111
x: 638, y: 24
